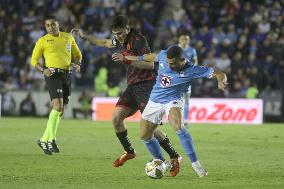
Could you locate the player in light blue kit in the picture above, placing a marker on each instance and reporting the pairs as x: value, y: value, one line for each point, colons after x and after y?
x: 190, y: 54
x: 175, y: 74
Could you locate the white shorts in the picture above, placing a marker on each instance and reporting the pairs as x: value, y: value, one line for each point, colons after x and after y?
x: 154, y: 112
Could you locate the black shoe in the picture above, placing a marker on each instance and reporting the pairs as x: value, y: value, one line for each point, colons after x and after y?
x: 52, y: 146
x: 43, y: 146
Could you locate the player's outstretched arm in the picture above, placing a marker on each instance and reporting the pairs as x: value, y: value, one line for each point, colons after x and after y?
x: 134, y: 62
x: 151, y: 57
x: 221, y: 78
x: 92, y: 39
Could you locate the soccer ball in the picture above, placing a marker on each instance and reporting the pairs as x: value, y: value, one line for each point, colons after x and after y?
x: 155, y: 169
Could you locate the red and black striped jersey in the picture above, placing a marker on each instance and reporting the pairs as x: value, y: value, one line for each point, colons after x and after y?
x: 135, y: 44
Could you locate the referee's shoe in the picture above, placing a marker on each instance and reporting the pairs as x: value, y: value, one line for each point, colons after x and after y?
x: 52, y: 146
x: 43, y: 146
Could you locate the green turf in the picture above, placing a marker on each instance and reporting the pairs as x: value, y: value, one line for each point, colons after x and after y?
x: 235, y: 156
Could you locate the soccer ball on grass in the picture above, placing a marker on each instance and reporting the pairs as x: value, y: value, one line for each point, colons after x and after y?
x: 156, y: 169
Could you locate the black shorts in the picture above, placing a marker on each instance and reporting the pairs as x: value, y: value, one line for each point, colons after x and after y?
x: 136, y: 96
x: 59, y: 86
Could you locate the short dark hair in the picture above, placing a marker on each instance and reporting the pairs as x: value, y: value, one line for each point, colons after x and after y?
x: 174, y: 52
x: 119, y: 21
x: 183, y: 33
x: 50, y: 17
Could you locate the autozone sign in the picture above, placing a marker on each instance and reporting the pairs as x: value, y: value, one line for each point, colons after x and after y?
x: 202, y: 110
x: 244, y: 111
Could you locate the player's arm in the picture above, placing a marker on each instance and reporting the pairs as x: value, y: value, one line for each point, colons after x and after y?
x: 151, y: 57
x: 76, y: 55
x: 141, y: 47
x: 133, y: 61
x: 36, y: 56
x: 92, y: 39
x: 197, y: 72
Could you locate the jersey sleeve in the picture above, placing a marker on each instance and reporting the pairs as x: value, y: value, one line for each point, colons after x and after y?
x: 196, y: 72
x: 194, y: 54
x: 141, y: 46
x: 160, y: 55
x: 37, y: 52
x: 75, y: 49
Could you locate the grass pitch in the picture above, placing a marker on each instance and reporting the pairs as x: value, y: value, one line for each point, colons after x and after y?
x: 236, y: 157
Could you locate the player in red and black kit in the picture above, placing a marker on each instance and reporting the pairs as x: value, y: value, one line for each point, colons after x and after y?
x: 141, y: 77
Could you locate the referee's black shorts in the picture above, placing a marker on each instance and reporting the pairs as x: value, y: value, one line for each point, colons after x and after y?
x: 59, y: 85
x: 136, y: 96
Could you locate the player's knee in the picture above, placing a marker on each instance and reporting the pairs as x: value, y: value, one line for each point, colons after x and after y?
x: 116, y: 120
x: 146, y: 136
x: 177, y: 126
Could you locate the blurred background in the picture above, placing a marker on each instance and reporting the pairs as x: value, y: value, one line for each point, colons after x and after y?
x: 245, y: 39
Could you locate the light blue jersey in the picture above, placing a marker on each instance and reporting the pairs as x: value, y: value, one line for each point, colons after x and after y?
x: 172, y: 85
x: 190, y: 53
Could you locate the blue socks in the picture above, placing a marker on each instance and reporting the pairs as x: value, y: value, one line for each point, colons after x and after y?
x: 154, y: 148
x: 187, y: 144
x: 185, y: 113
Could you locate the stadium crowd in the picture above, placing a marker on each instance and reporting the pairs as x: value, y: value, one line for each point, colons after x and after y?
x: 245, y: 39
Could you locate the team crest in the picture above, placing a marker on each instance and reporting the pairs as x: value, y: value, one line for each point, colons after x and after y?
x: 181, y: 74
x: 166, y: 81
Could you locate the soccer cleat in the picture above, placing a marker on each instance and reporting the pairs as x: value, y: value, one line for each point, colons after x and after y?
x: 123, y: 158
x: 199, y: 170
x: 43, y: 146
x: 52, y: 146
x: 175, y: 166
x: 179, y: 158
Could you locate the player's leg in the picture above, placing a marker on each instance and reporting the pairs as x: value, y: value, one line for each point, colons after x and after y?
x: 186, y: 109
x: 165, y: 143
x: 176, y: 120
x: 119, y: 114
x: 142, y: 93
x: 125, y: 107
x: 150, y: 119
x: 147, y: 130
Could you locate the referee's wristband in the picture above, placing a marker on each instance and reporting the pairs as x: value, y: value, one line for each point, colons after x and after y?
x: 140, y: 58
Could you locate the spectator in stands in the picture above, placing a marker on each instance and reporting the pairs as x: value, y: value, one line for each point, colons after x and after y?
x: 27, y: 106
x: 8, y: 103
x: 253, y: 27
x: 85, y: 108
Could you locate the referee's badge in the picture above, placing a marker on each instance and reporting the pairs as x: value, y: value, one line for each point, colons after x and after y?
x: 68, y: 47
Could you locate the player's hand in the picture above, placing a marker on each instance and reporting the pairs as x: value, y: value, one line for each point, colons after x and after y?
x: 48, y: 72
x: 78, y: 32
x: 76, y: 67
x: 222, y: 83
x: 117, y: 57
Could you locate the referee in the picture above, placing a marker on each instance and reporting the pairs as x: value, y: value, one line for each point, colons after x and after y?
x: 58, y: 49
